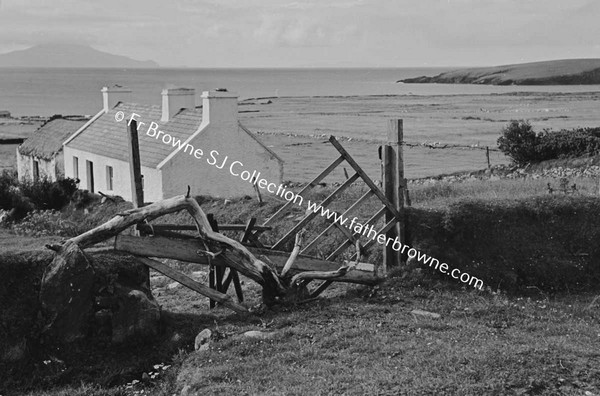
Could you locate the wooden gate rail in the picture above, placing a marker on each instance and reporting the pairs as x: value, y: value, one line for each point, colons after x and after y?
x: 187, y: 250
x: 163, y: 240
x: 362, y: 199
x: 391, y: 208
x: 292, y: 233
x: 313, y: 183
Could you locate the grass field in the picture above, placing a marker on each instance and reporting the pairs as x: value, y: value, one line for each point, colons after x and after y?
x: 354, y: 340
x: 365, y: 341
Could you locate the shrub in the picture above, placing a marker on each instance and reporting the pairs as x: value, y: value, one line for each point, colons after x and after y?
x: 43, y: 223
x: 8, y: 181
x: 519, y: 141
x: 22, y: 197
x: 523, y: 145
x: 45, y: 194
x: 567, y: 144
x: 546, y: 243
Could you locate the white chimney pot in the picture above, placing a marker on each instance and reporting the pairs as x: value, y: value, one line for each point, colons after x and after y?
x: 113, y: 95
x: 175, y: 99
x: 220, y: 107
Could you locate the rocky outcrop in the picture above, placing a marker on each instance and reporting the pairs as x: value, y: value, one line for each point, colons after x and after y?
x: 20, y: 323
x: 67, y: 296
x: 45, y: 302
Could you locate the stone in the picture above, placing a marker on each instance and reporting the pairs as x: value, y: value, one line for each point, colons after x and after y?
x: 173, y: 285
x: 198, y: 275
x: 175, y: 338
x: 201, y: 343
x: 264, y: 335
x: 136, y: 315
x: 67, y: 295
x: 425, y: 314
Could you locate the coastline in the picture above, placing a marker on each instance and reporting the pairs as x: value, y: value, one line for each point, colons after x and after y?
x: 297, y: 128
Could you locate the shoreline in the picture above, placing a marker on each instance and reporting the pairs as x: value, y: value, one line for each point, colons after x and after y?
x: 443, y: 134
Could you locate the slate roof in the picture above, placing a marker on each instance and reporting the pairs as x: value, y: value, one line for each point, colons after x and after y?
x: 48, y: 140
x: 107, y: 137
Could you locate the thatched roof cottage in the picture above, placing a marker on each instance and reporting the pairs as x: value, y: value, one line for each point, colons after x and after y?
x: 41, y: 155
x: 185, y: 152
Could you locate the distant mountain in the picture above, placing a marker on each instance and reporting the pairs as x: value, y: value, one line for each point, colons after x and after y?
x: 556, y: 72
x: 69, y: 55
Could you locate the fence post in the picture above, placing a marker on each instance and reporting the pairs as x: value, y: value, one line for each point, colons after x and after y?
x: 137, y: 193
x: 487, y: 155
x: 393, y: 188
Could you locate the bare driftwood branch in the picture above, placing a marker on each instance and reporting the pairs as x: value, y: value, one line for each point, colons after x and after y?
x: 228, y: 251
x: 326, y: 275
x: 294, y: 255
x: 234, y: 253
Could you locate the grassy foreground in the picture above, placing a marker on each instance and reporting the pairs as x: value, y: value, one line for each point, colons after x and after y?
x: 355, y: 340
x: 366, y: 341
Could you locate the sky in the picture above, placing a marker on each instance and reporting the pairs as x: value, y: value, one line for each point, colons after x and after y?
x: 311, y: 33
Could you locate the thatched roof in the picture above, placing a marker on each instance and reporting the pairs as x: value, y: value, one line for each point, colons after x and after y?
x: 47, y: 141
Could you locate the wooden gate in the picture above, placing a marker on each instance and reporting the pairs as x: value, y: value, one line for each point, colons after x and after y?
x: 166, y: 242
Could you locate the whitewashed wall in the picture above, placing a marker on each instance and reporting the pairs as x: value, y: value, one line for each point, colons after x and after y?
x: 121, y: 175
x: 205, y: 179
x: 47, y: 168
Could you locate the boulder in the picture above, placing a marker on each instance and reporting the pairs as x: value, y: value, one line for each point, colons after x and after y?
x: 201, y: 343
x: 135, y: 315
x: 19, y: 303
x: 125, y: 308
x: 67, y: 295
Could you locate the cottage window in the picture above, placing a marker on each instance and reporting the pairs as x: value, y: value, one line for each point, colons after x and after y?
x: 36, y: 170
x: 75, y: 167
x: 109, y: 178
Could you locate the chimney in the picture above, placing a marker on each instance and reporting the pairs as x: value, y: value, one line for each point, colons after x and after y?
x: 175, y: 99
x: 113, y: 95
x: 219, y: 106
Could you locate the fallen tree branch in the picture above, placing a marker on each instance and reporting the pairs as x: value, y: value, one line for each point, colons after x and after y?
x: 326, y: 275
x: 294, y: 255
x: 229, y: 252
x: 234, y: 254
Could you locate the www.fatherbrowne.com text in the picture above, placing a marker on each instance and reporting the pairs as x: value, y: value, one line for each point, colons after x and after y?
x: 236, y: 169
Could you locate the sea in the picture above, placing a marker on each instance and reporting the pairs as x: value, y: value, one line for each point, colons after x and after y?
x: 44, y: 91
x: 355, y: 103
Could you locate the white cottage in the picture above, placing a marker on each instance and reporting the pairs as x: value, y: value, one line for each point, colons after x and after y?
x: 97, y: 153
x: 41, y: 155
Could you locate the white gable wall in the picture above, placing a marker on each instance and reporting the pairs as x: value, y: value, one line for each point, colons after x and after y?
x: 121, y: 175
x: 222, y: 142
x: 230, y: 141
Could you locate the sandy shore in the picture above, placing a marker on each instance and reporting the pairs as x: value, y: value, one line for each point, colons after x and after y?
x: 296, y: 128
x: 473, y: 121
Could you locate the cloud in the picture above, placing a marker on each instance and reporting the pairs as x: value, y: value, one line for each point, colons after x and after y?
x: 291, y: 32
x: 301, y: 31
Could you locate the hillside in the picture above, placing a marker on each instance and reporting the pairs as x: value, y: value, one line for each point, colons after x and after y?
x: 68, y: 55
x: 556, y: 72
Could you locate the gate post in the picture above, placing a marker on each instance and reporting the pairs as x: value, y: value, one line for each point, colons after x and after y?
x: 394, y: 185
